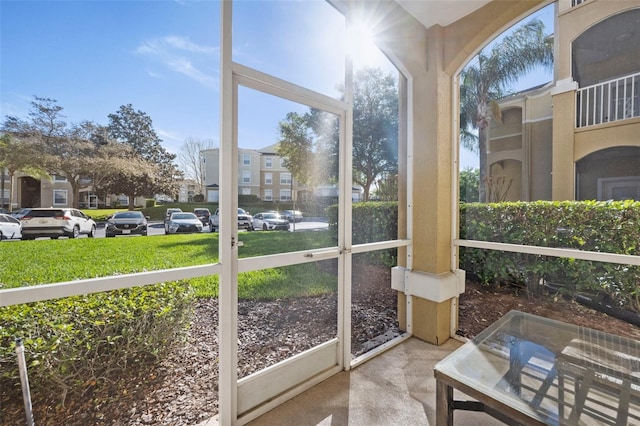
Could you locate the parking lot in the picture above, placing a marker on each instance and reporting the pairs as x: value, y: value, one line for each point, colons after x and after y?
x: 157, y: 228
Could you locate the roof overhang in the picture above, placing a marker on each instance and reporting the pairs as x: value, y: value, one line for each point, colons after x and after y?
x: 440, y: 12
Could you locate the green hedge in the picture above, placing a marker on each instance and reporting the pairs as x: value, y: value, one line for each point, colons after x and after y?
x: 611, y: 227
x: 372, y: 222
x: 79, y: 342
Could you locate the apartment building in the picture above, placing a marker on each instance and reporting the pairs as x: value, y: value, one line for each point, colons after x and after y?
x: 578, y: 138
x: 261, y: 172
x: 57, y: 192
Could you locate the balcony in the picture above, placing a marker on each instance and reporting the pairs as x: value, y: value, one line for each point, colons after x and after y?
x: 610, y: 101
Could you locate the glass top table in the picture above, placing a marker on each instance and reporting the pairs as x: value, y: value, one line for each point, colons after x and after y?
x: 525, y: 369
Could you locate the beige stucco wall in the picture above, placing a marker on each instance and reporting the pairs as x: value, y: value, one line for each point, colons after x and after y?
x: 563, y: 169
x: 521, y: 146
x: 596, y: 138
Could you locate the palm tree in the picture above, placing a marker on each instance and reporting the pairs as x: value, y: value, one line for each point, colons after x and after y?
x: 487, y: 78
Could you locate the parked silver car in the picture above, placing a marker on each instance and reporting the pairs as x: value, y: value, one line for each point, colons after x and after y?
x: 56, y: 222
x: 183, y: 222
x: 270, y: 222
x: 292, y: 215
x: 167, y: 216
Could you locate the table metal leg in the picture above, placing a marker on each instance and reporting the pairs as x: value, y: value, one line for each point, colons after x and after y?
x: 444, y: 400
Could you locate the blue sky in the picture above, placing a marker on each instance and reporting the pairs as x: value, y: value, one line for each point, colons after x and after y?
x: 163, y: 58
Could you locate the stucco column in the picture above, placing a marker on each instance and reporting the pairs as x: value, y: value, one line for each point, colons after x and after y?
x: 432, y: 208
x: 564, y: 112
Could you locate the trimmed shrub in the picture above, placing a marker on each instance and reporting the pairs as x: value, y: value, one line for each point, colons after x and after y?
x: 610, y: 227
x: 149, y: 202
x: 80, y: 342
x: 372, y: 221
x: 247, y: 199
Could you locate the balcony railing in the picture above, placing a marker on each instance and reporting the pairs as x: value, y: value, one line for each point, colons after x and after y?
x: 610, y: 101
x: 577, y: 2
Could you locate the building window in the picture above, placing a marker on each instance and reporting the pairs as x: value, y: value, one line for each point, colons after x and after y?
x: 246, y: 191
x: 59, y: 197
x: 285, y: 195
x: 268, y: 195
x: 123, y: 200
x: 246, y: 159
x: 246, y: 176
x: 268, y: 178
x: 285, y: 178
x: 282, y: 162
x: 5, y: 197
x: 57, y: 178
x: 268, y: 162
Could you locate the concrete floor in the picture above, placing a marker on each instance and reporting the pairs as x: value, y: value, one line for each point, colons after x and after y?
x: 394, y: 388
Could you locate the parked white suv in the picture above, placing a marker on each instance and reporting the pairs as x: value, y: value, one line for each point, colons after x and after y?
x: 244, y: 220
x: 56, y: 222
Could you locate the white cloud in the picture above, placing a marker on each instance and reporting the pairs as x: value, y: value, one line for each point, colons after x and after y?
x: 183, y: 43
x: 167, y: 134
x: 181, y: 55
x: 154, y: 74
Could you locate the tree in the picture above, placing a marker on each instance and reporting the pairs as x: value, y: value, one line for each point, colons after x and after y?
x: 192, y: 162
x: 53, y: 145
x: 313, y: 156
x: 486, y: 79
x: 135, y: 129
x: 469, y: 184
x: 375, y: 127
x: 296, y: 146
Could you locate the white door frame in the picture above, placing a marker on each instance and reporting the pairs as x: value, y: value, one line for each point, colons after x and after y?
x: 242, y: 400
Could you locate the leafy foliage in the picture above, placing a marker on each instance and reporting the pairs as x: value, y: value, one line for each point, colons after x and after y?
x: 296, y: 146
x: 76, y: 344
x: 52, y: 145
x: 79, y: 343
x: 375, y: 127
x: 372, y: 221
x: 309, y: 142
x: 469, y: 184
x: 135, y: 129
x: 124, y: 158
x: 608, y: 227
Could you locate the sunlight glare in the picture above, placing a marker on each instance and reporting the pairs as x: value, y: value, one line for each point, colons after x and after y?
x: 363, y: 49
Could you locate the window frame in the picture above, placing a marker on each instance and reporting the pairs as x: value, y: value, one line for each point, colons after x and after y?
x: 284, y: 181
x: 66, y: 197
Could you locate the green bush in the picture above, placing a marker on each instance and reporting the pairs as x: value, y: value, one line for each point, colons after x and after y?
x: 371, y: 222
x: 610, y: 227
x: 78, y: 342
x: 247, y: 199
x: 149, y: 202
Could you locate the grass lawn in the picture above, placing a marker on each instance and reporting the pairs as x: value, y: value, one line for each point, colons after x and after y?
x: 27, y: 263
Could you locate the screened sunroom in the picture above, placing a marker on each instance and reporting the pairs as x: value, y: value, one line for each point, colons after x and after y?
x: 265, y: 297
